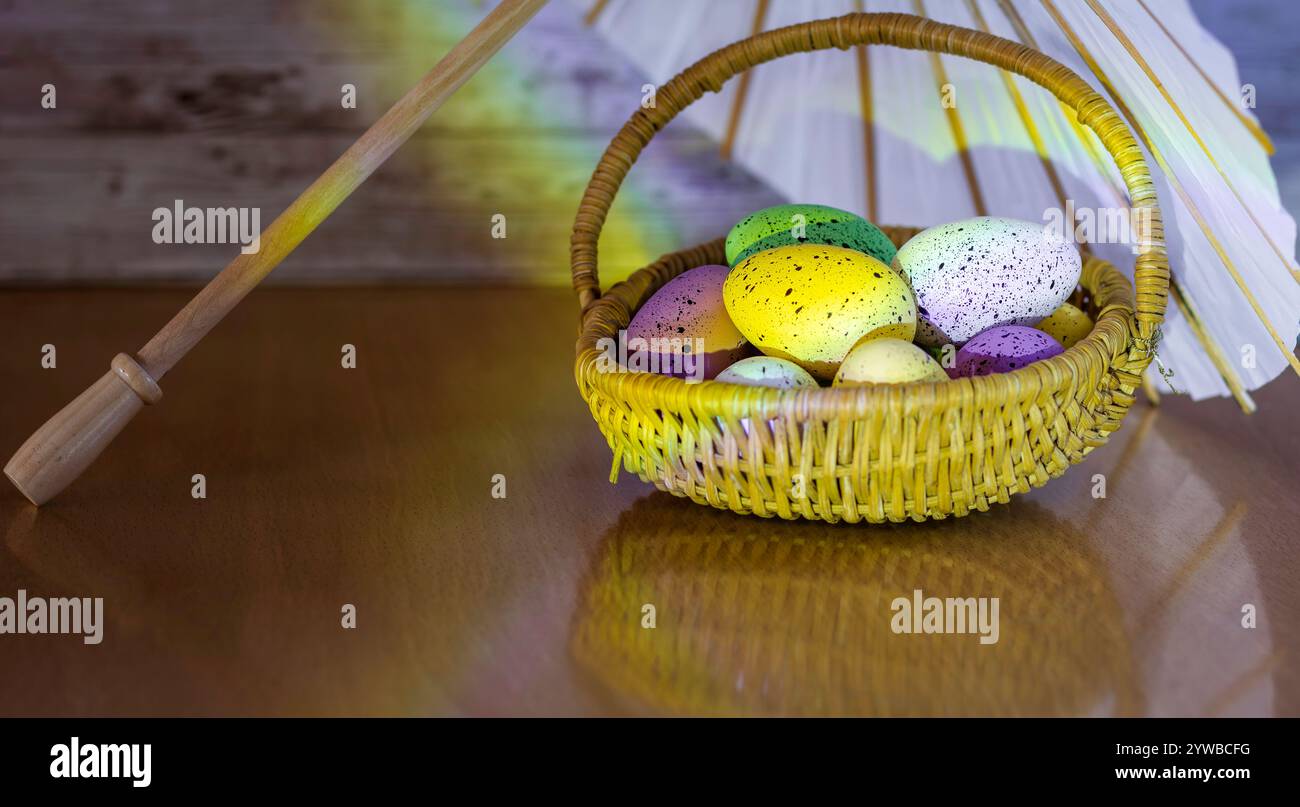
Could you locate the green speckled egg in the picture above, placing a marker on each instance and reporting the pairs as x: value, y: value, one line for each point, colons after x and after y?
x: 775, y: 227
x: 887, y: 361
x: 810, y: 303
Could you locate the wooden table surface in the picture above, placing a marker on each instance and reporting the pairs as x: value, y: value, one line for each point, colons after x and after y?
x: 373, y: 486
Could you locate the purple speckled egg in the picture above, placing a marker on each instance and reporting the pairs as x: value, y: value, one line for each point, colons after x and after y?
x: 684, y: 320
x: 1003, y: 349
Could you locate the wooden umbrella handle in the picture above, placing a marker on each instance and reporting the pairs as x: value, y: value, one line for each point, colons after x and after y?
x: 71, y: 440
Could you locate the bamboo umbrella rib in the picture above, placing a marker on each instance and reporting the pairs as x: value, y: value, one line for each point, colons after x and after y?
x: 1188, y: 569
x: 1181, y: 299
x: 1212, y: 348
x: 1040, y: 146
x: 868, y: 131
x: 1187, y: 200
x: 867, y: 106
x: 1179, y: 580
x: 1243, y: 684
x: 1031, y: 128
x: 1085, y: 135
x: 1152, y: 393
x: 1127, y: 43
x: 955, y: 125
x: 1133, y: 448
x: 1250, y: 123
x: 742, y: 90
x: 594, y: 13
x: 1185, y: 305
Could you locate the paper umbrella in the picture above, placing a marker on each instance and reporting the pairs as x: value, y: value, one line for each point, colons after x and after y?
x: 914, y: 138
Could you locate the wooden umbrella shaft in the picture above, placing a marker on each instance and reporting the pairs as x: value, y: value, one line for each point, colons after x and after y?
x: 71, y: 440
x: 329, y: 190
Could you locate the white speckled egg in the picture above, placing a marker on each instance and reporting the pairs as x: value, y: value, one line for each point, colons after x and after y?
x: 767, y: 371
x: 887, y: 361
x: 1067, y: 325
x: 974, y: 274
x: 809, y: 303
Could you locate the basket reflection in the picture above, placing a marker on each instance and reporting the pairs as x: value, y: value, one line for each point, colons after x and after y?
x: 761, y: 616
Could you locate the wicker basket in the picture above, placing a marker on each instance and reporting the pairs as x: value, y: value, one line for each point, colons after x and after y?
x: 873, y: 453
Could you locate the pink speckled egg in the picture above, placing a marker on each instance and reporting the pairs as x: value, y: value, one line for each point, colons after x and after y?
x: 1003, y: 349
x: 685, y: 319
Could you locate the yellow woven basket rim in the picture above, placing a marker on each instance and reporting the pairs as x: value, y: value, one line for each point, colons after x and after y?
x: 1112, y: 309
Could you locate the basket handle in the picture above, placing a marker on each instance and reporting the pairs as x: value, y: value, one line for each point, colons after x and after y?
x: 1151, y: 273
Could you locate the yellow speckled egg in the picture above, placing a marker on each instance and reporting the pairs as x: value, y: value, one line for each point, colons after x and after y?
x: 810, y: 303
x: 767, y: 371
x: 887, y: 361
x: 1066, y: 325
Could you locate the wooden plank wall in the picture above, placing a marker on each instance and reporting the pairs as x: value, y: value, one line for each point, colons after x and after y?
x: 236, y: 102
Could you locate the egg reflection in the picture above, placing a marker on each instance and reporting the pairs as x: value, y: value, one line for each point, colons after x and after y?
x: 757, y: 616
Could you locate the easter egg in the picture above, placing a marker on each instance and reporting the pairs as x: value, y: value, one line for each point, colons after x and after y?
x: 887, y: 361
x: 974, y: 274
x: 683, y: 330
x: 785, y: 225
x: 766, y: 371
x: 1067, y: 325
x: 810, y: 303
x: 1003, y: 349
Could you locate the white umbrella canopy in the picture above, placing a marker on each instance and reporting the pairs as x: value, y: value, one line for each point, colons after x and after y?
x: 913, y: 138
